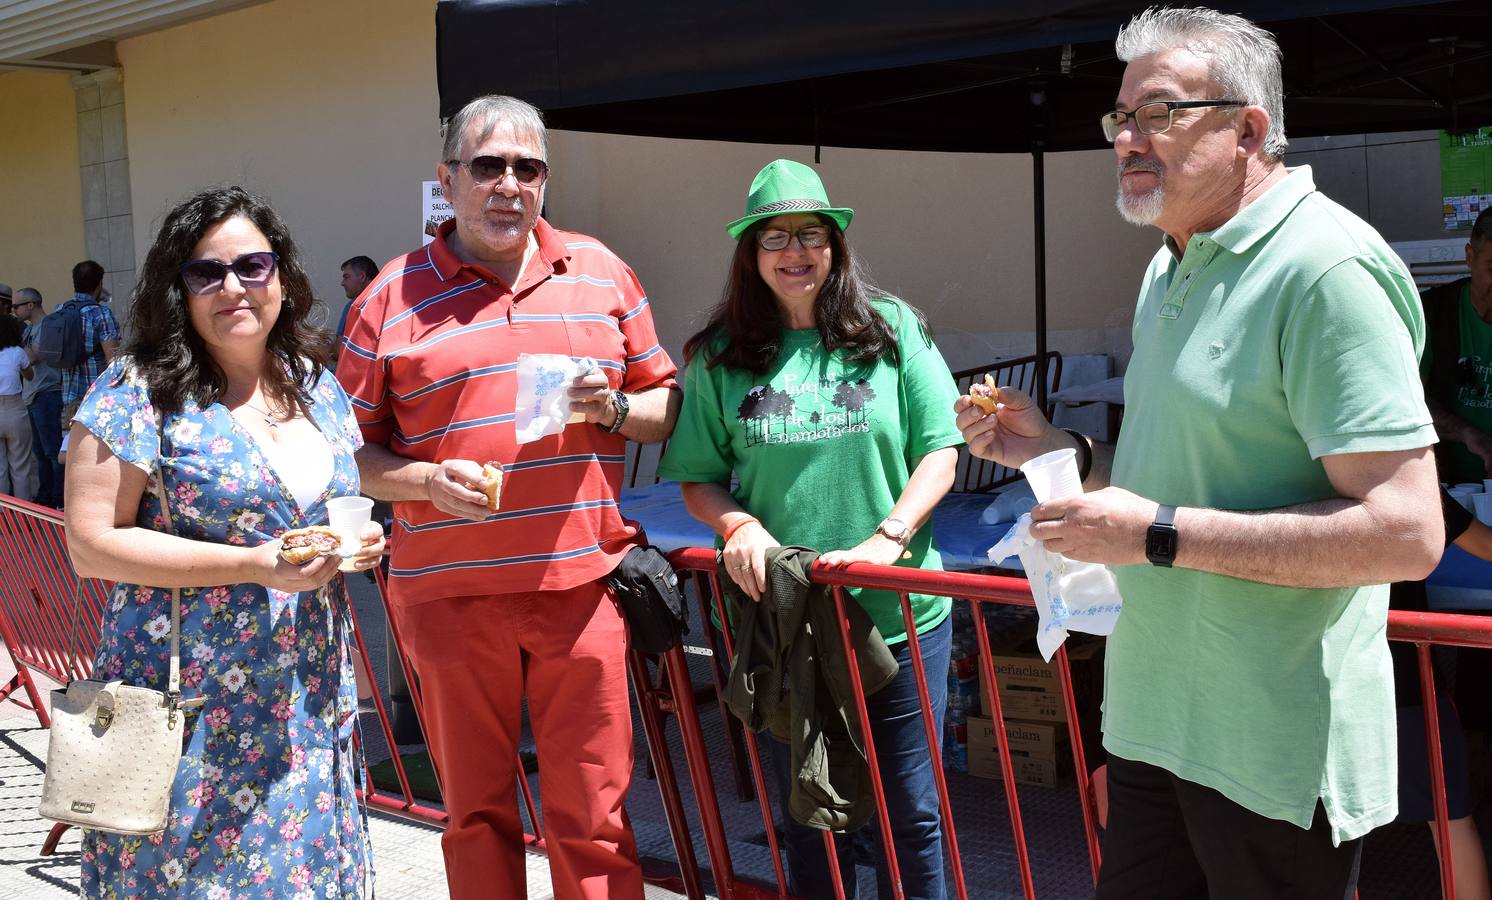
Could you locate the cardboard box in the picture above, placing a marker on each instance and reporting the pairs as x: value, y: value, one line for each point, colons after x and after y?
x: 1039, y: 751
x: 1040, y: 772
x: 1030, y: 688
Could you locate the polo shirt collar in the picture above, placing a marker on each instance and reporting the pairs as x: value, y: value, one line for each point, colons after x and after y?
x: 448, y: 265
x: 1263, y: 216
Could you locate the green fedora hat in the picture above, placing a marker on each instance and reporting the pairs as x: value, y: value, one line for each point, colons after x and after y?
x: 784, y: 186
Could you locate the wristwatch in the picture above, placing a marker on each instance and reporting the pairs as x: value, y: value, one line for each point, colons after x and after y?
x: 619, y: 400
x: 1160, y: 539
x: 895, y: 529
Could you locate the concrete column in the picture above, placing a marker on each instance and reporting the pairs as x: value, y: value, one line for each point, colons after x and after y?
x: 104, y: 168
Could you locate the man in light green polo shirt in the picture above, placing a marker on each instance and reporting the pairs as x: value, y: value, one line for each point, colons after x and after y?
x: 1273, y: 475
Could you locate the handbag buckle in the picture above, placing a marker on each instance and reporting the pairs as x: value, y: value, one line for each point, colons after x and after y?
x: 104, y: 718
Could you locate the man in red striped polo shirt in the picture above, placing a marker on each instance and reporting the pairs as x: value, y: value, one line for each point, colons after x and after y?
x: 493, y: 606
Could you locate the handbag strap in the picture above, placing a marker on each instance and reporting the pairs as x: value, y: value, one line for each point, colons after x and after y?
x: 173, y: 684
x: 173, y: 687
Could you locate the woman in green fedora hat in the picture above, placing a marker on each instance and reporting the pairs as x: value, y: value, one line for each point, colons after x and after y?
x: 826, y: 400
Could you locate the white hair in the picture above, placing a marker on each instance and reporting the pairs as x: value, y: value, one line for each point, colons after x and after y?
x: 1241, y: 57
x: 492, y: 110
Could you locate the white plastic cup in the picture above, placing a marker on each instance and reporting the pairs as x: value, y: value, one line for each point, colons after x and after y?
x: 347, y: 516
x: 1483, y: 506
x: 1053, y: 475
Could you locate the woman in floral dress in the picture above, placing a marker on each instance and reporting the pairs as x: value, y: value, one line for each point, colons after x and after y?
x: 218, y: 392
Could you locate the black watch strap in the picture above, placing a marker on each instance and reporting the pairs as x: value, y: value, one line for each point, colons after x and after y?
x: 1161, y: 537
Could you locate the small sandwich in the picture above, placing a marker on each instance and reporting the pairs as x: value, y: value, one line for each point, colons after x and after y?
x: 986, y: 396
x: 491, y: 484
x: 301, y: 545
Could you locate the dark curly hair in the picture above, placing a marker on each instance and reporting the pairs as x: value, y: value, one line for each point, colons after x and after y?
x: 10, y: 331
x: 750, y: 321
x: 171, y: 354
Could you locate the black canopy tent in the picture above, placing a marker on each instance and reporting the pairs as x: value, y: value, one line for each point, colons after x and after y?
x: 948, y: 75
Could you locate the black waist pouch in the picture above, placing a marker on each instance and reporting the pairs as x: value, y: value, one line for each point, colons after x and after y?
x: 651, y: 598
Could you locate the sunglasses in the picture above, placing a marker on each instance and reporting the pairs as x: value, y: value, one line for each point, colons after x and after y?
x: 1154, y: 117
x: 487, y: 170
x: 810, y: 238
x: 253, y: 270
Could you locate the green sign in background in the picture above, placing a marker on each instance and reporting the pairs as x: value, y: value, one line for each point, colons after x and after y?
x: 1465, y: 176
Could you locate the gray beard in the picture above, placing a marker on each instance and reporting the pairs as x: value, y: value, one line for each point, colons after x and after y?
x: 1141, y: 209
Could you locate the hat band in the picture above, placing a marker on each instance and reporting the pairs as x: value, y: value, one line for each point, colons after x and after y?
x: 789, y: 206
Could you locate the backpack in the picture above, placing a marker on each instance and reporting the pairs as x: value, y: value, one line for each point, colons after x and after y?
x: 59, y: 337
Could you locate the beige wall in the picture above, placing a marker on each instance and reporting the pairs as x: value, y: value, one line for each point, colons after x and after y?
x: 41, y: 206
x: 330, y: 111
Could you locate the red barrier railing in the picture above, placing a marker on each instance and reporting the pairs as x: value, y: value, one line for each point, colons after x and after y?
x: 1424, y: 629
x: 700, y: 565
x: 38, y: 591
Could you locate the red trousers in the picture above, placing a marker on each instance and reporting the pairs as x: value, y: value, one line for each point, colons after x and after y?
x: 476, y: 657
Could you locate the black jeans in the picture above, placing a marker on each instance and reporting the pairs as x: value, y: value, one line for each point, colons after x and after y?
x: 1171, y: 839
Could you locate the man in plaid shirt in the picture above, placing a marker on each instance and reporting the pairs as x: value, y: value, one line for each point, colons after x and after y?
x: 100, y: 337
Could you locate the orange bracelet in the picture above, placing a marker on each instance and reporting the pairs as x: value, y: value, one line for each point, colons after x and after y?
x: 725, y: 539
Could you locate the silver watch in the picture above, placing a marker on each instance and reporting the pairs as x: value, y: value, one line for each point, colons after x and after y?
x: 895, y: 529
x: 619, y: 400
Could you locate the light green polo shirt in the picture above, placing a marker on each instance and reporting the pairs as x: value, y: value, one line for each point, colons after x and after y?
x: 1290, y: 333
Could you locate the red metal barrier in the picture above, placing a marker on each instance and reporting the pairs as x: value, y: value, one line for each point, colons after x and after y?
x: 1424, y: 629
x: 699, y: 564
x: 38, y: 591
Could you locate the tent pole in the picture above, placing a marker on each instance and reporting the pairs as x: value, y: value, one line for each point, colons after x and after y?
x: 1038, y: 207
x: 1038, y: 202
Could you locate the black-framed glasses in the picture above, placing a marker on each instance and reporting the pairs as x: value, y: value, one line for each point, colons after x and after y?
x: 486, y: 170
x: 253, y: 270
x: 1154, y: 117
x: 809, y: 238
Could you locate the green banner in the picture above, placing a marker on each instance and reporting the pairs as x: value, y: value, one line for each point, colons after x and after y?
x: 1465, y: 176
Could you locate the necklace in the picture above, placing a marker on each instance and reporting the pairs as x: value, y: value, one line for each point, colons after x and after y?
x: 271, y: 419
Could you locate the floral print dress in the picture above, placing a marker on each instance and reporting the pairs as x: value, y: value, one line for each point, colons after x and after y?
x: 264, y: 800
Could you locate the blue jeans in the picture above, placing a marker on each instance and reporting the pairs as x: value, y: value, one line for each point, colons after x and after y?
x: 46, y: 442
x: 906, y: 766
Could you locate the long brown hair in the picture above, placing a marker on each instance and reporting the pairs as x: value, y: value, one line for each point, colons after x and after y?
x: 167, y: 349
x: 750, y: 322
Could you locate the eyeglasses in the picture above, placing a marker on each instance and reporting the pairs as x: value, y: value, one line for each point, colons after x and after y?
x: 20, y: 303
x: 1154, y: 117
x: 205, y: 276
x: 810, y: 238
x: 487, y: 170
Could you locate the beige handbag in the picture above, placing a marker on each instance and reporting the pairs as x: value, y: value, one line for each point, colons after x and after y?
x: 114, y: 748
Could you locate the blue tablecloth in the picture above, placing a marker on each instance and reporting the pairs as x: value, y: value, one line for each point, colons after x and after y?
x: 957, y: 531
x: 1461, y: 581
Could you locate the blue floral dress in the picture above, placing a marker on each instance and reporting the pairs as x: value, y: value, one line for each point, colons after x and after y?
x: 263, y: 804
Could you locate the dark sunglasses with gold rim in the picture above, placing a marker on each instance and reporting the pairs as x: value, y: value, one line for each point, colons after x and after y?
x: 487, y: 170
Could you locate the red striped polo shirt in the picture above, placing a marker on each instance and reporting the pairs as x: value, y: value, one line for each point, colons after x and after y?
x: 430, y: 359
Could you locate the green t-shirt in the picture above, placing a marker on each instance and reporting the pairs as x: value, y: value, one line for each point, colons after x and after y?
x: 822, y: 446
x: 1290, y: 333
x: 1473, y: 397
